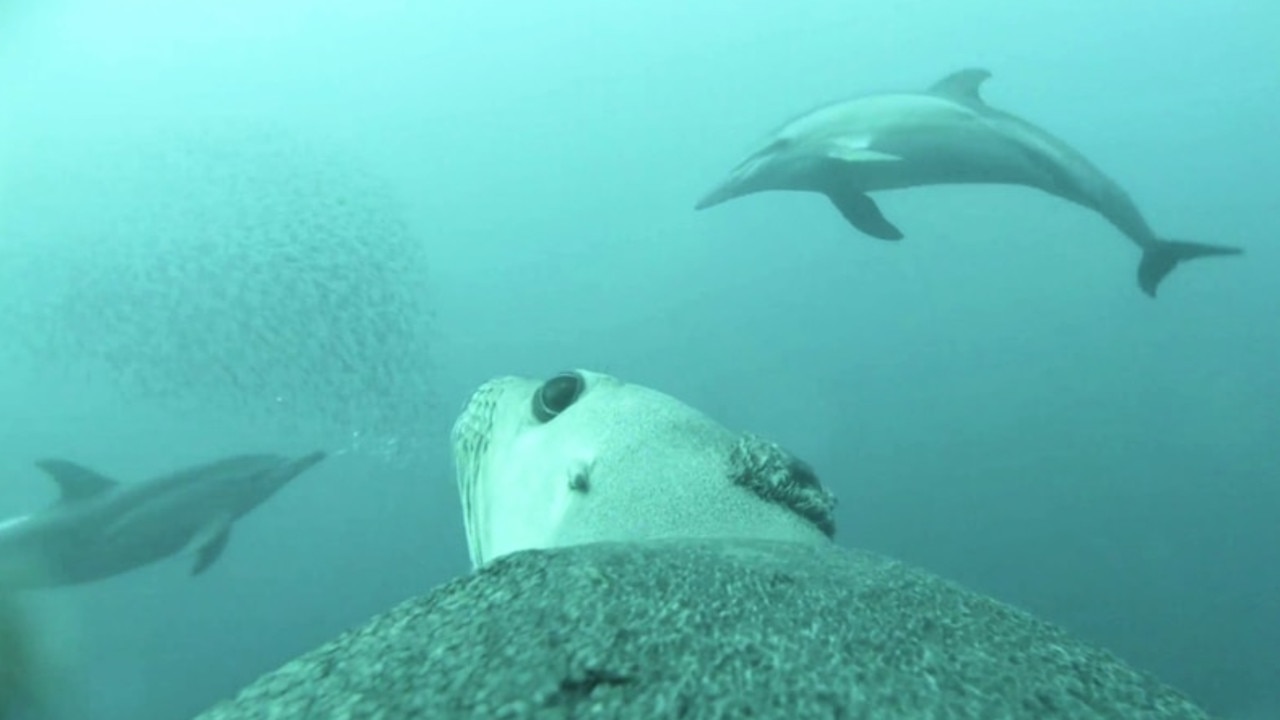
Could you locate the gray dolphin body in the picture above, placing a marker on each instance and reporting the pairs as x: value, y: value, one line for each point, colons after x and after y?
x: 946, y: 135
x: 99, y: 528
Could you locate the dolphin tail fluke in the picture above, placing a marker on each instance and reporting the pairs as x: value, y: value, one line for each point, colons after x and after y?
x: 1161, y: 256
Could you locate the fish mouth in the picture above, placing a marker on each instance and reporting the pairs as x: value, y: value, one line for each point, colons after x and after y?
x: 474, y: 426
x: 471, y: 436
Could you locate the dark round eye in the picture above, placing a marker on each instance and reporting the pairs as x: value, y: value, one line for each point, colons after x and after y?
x: 557, y: 394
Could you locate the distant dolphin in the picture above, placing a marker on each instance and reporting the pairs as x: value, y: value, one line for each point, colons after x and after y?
x: 943, y: 136
x: 28, y: 682
x: 100, y: 528
x: 40, y: 656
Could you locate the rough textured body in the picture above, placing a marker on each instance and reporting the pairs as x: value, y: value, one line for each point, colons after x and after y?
x: 661, y: 566
x: 706, y: 629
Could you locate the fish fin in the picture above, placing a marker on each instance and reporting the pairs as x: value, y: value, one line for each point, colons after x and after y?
x: 863, y: 213
x: 858, y: 151
x: 1162, y: 256
x: 76, y: 482
x: 580, y: 476
x: 212, y: 541
x: 963, y: 86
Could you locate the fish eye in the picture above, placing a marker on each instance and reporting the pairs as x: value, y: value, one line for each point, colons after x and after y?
x: 557, y: 394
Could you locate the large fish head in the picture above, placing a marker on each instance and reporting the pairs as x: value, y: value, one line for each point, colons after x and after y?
x: 585, y: 457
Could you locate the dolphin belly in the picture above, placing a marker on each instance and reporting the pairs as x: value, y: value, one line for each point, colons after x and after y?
x: 970, y: 153
x: 923, y: 173
x: 73, y: 553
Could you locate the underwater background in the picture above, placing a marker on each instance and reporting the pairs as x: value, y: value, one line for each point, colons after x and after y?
x: 281, y: 226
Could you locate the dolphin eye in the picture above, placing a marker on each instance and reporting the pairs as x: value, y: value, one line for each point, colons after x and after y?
x: 557, y: 394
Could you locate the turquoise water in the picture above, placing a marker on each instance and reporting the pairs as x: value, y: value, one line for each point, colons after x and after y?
x: 276, y: 226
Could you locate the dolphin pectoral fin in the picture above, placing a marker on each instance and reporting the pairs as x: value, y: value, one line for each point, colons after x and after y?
x: 210, y: 541
x: 962, y: 86
x: 76, y: 482
x: 863, y: 213
x: 211, y: 550
x: 1162, y: 256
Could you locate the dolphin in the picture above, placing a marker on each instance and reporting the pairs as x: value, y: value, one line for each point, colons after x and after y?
x: 35, y: 667
x: 20, y: 668
x: 945, y: 135
x: 99, y: 528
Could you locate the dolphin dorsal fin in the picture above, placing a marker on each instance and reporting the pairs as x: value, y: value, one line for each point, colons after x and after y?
x: 76, y: 482
x: 962, y: 85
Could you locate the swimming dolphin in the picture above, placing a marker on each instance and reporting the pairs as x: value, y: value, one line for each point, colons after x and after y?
x: 99, y: 528
x: 945, y: 135
x: 35, y: 664
x: 19, y: 668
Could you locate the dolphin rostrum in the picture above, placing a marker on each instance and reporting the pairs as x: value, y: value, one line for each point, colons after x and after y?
x: 945, y: 135
x: 99, y: 528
